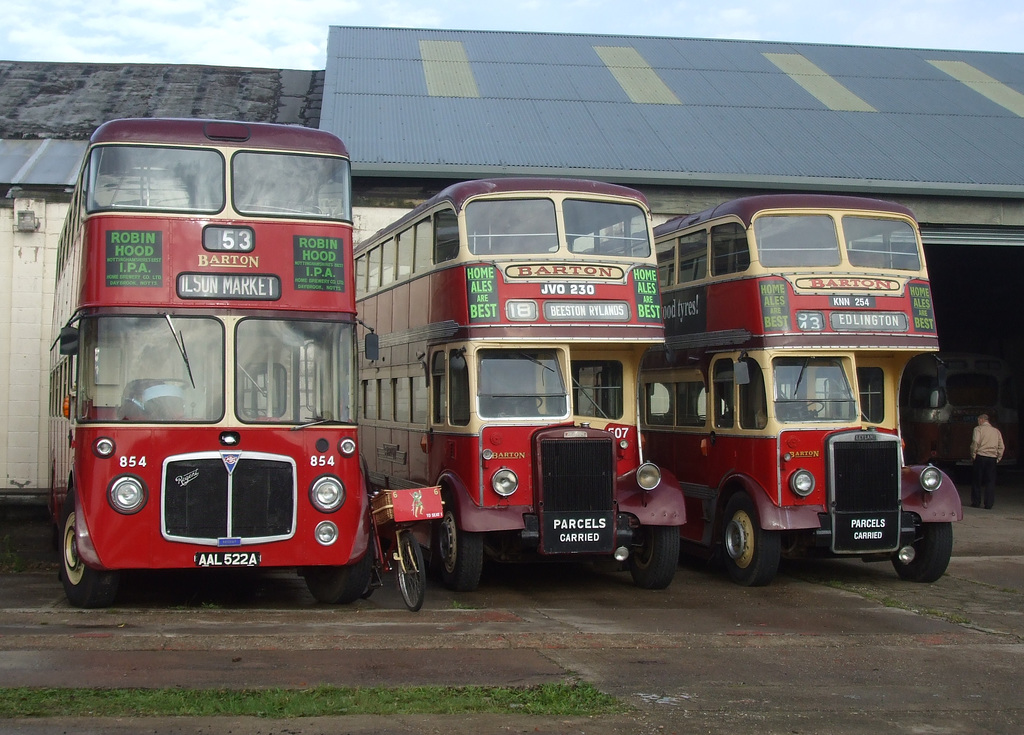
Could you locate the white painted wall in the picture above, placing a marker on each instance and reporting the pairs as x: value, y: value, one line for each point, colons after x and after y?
x: 27, y: 262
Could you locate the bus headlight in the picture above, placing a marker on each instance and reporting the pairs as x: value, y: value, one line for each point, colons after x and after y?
x: 327, y: 494
x: 801, y: 482
x: 931, y: 478
x: 127, y: 494
x: 505, y: 482
x: 648, y: 476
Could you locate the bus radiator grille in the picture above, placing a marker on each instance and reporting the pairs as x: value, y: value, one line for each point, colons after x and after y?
x: 866, y: 476
x: 203, y: 501
x: 577, y: 475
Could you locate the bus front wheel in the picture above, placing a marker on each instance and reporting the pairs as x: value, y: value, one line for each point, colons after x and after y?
x: 462, y: 553
x: 932, y: 553
x: 752, y: 554
x: 83, y: 585
x: 339, y: 585
x: 653, y: 564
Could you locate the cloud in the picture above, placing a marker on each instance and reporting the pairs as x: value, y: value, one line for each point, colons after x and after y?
x: 293, y: 34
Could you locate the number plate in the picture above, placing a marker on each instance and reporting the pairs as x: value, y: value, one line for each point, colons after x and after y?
x: 579, y: 532
x: 866, y: 532
x: 227, y: 558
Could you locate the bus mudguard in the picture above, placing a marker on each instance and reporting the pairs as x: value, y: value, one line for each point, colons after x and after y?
x: 771, y: 516
x: 472, y: 517
x: 940, y: 506
x: 664, y: 505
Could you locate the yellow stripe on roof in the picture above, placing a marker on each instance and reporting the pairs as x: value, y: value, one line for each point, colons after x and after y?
x: 635, y: 76
x: 983, y: 84
x: 824, y: 88
x: 446, y: 67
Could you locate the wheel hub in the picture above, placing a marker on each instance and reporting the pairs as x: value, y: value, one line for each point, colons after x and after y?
x: 739, y: 539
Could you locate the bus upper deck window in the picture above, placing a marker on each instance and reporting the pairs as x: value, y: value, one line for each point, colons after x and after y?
x: 293, y: 185
x: 796, y: 240
x: 693, y: 256
x: 446, y: 236
x: 729, y: 250
x: 155, y: 178
x: 511, y: 227
x: 606, y: 228
x: 881, y: 243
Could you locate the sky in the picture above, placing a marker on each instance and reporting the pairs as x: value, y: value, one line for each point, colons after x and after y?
x: 292, y: 34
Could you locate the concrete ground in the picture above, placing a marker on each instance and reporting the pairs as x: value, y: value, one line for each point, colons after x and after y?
x: 830, y: 646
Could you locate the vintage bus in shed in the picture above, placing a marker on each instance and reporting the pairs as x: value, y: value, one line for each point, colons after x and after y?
x: 789, y: 322
x: 941, y: 398
x: 203, y: 384
x: 512, y: 315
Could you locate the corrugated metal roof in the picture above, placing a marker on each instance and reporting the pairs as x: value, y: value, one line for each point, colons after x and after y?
x: 40, y: 162
x: 706, y: 111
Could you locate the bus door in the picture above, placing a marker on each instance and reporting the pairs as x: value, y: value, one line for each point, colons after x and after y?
x: 675, y: 430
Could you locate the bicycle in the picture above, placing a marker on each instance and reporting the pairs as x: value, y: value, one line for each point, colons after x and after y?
x: 394, y: 515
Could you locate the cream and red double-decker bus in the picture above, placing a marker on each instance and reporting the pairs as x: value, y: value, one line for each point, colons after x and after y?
x: 203, y: 384
x: 790, y: 320
x: 512, y: 316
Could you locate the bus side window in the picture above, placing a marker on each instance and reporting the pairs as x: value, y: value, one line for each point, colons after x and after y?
x: 723, y: 394
x: 660, y: 411
x: 389, y: 261
x: 692, y: 401
x: 753, y: 401
x: 361, y: 276
x: 370, y: 396
x: 373, y: 273
x: 667, y: 266
x: 871, y: 381
x: 420, y: 399
x: 438, y: 386
x: 597, y: 388
x: 693, y: 256
x: 401, y: 390
x: 729, y: 250
x: 446, y: 236
x: 458, y: 388
x: 405, y: 241
x: 424, y: 246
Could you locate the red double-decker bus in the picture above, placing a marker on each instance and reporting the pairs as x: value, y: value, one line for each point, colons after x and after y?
x: 789, y: 322
x: 203, y: 385
x: 512, y: 316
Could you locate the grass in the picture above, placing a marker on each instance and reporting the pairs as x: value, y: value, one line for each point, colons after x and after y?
x: 10, y: 561
x: 579, y: 699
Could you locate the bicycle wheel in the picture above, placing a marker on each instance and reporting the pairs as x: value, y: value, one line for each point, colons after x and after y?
x: 412, y: 574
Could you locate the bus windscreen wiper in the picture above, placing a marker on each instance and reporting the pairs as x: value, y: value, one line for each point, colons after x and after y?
x: 315, y: 421
x: 179, y: 342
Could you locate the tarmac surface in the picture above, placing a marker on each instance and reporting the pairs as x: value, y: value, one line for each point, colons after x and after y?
x: 829, y: 646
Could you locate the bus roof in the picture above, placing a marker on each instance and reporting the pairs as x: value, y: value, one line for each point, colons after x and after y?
x: 746, y: 207
x: 457, y: 194
x: 189, y: 131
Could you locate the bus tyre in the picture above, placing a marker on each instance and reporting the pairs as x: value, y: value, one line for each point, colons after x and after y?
x: 339, y: 585
x: 83, y: 585
x: 933, y: 550
x: 462, y: 553
x: 752, y: 554
x: 653, y: 563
